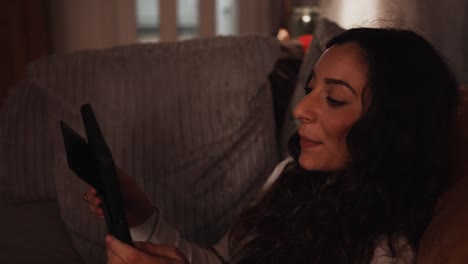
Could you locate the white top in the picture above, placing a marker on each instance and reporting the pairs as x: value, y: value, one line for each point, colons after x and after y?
x: 156, y: 230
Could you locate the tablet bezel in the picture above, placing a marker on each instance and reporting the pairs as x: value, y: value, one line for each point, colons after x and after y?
x: 92, y: 162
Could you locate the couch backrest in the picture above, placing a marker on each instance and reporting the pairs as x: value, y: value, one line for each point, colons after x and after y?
x: 192, y: 121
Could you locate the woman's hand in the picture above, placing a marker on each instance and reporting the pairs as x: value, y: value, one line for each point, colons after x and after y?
x: 143, y: 253
x: 137, y: 205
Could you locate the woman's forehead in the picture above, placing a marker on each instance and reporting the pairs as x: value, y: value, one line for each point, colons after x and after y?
x: 343, y: 62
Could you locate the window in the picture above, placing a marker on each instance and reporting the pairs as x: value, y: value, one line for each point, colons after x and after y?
x: 187, y: 20
x: 147, y: 16
x: 227, y: 17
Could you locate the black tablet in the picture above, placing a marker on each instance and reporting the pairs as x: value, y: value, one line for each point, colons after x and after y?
x: 92, y: 162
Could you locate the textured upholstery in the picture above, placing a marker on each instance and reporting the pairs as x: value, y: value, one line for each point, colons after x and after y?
x: 27, y: 156
x: 192, y: 121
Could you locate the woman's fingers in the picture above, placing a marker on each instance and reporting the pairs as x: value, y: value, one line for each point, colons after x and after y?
x: 165, y: 251
x: 112, y: 258
x: 91, y: 190
x: 93, y: 199
x: 145, y: 253
x: 114, y: 249
x: 92, y: 196
x: 94, y: 202
x: 96, y: 210
x: 118, y: 252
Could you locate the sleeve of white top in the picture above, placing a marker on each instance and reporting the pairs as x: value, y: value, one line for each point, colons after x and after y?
x: 156, y: 230
x: 276, y: 173
x: 382, y: 253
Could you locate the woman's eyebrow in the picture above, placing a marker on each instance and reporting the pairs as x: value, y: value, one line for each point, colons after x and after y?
x: 340, y: 82
x: 311, y: 76
x: 332, y: 81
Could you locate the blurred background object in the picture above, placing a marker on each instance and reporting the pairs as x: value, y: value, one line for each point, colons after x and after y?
x: 303, y: 20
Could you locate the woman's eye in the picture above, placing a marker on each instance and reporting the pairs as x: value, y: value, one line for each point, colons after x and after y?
x: 334, y: 103
x: 307, y: 90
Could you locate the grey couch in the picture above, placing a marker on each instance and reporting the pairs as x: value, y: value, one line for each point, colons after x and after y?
x: 192, y: 121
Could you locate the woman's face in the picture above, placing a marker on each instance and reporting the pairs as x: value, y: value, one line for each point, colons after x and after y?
x: 332, y: 105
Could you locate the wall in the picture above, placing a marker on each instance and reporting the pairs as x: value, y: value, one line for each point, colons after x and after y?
x: 443, y: 22
x: 91, y: 24
x: 24, y: 37
x: 254, y: 16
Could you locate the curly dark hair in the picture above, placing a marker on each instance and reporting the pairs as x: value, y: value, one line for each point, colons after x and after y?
x: 400, y: 162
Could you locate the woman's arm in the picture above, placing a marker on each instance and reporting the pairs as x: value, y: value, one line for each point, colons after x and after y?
x: 148, y: 226
x: 157, y: 231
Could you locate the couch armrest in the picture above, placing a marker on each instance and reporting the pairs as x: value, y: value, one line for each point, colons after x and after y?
x: 26, y: 149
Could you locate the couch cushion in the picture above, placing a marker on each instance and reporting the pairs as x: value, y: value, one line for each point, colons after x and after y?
x: 34, y: 233
x: 446, y: 238
x: 192, y: 121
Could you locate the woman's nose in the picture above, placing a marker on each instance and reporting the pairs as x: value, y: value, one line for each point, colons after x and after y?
x: 305, y: 110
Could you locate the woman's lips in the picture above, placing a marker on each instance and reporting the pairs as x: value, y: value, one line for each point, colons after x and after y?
x: 308, y: 143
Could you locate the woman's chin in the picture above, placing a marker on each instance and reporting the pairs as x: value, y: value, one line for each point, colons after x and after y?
x: 313, y: 164
x: 308, y: 164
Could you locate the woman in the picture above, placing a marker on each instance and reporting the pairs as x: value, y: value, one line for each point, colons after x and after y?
x: 369, y: 159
